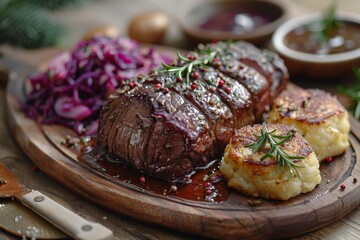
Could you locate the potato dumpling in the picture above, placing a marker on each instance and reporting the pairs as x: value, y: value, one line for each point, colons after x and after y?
x: 246, y: 172
x: 319, y: 117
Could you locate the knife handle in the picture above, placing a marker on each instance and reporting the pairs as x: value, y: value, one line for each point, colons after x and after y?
x: 69, y: 222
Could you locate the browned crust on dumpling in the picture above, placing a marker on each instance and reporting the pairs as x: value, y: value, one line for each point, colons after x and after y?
x: 245, y: 136
x: 312, y: 105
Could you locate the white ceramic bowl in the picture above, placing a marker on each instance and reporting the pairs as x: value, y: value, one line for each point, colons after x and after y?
x: 314, y: 65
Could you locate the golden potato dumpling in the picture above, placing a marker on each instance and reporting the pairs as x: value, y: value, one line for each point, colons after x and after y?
x: 318, y: 116
x: 246, y: 172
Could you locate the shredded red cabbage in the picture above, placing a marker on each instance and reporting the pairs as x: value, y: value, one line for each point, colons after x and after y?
x: 73, y: 88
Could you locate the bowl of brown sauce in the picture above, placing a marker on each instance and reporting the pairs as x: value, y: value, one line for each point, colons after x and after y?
x: 249, y: 20
x: 312, y: 48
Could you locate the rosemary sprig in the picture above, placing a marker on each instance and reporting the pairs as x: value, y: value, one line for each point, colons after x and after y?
x: 353, y: 92
x: 276, y: 150
x: 185, y: 69
x: 329, y: 23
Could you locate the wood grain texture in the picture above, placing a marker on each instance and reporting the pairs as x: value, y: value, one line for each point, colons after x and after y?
x: 117, y: 12
x: 123, y: 227
x: 231, y: 219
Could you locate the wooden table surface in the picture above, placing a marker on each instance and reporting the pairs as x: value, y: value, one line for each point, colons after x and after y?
x: 117, y: 13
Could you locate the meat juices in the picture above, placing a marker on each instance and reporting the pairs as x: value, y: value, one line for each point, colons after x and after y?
x: 167, y: 128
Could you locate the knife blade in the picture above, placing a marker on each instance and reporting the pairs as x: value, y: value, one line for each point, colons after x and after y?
x: 66, y: 220
x: 20, y: 221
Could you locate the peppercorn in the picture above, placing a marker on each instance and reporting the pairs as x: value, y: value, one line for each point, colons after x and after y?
x: 166, y: 90
x: 142, y: 179
x: 196, y: 75
x: 208, y: 192
x: 329, y: 160
x: 221, y: 83
x: 192, y: 58
x: 342, y: 187
x: 157, y: 86
x: 228, y: 90
x: 173, y: 188
x: 193, y: 86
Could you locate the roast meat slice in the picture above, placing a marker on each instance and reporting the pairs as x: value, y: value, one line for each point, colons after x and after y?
x: 169, y: 133
x: 168, y: 127
x: 162, y: 134
x: 262, y: 72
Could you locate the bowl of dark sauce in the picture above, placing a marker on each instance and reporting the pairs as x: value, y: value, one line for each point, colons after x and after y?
x: 249, y: 20
x: 298, y: 41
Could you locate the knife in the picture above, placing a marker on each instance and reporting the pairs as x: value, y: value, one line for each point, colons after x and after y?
x: 61, y: 217
x: 22, y: 222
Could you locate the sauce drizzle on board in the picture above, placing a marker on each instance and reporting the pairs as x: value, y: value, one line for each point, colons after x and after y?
x: 207, y: 184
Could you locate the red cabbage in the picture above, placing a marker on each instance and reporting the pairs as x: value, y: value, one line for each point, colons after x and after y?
x: 73, y: 88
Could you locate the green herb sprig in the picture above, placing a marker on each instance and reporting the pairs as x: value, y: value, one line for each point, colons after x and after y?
x: 207, y: 56
x: 276, y: 150
x: 353, y: 92
x: 329, y: 24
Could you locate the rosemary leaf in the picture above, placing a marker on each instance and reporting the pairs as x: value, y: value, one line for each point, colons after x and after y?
x: 185, y: 70
x: 284, y: 160
x: 182, y: 57
x: 329, y: 24
x: 353, y: 92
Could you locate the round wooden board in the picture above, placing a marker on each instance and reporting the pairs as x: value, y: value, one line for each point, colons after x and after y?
x: 231, y: 219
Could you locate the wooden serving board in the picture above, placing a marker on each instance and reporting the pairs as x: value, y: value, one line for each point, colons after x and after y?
x: 232, y: 219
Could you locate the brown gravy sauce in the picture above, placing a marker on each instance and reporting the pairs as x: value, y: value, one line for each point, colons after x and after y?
x: 206, y: 184
x: 345, y: 38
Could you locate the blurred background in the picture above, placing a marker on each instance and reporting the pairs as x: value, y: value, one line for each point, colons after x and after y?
x: 67, y: 21
x: 33, y: 31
